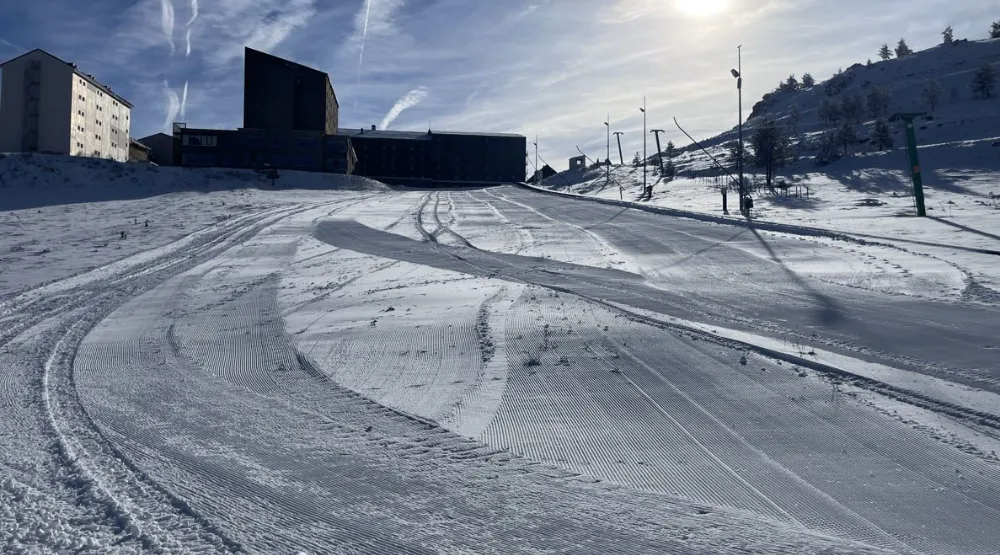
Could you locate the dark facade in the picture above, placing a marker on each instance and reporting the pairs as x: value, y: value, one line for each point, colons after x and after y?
x: 260, y: 149
x: 161, y: 148
x: 437, y: 157
x: 280, y: 95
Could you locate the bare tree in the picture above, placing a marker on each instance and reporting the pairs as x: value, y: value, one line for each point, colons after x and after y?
x: 932, y: 93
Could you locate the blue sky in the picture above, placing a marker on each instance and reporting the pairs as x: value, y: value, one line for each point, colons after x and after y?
x: 554, y: 68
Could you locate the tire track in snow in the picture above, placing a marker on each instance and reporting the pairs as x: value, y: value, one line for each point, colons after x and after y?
x: 104, y: 477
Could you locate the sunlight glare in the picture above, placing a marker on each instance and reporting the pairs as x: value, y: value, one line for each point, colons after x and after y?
x: 701, y: 8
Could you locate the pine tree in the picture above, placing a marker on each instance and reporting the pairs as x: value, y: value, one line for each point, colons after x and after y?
x: 881, y: 137
x: 637, y: 161
x: 847, y: 135
x: 884, y: 52
x: 771, y: 147
x: 827, y: 150
x: 671, y: 150
x: 878, y: 102
x: 669, y: 171
x: 983, y: 81
x: 902, y: 49
x: 794, y: 115
x: 807, y: 80
x: 852, y: 107
x: 791, y: 84
x: 949, y: 35
x: 829, y: 111
x: 932, y: 93
x: 995, y: 30
x: 869, y: 64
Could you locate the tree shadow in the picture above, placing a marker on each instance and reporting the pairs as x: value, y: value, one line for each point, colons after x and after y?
x: 829, y: 311
x: 793, y: 203
x: 607, y: 221
x: 870, y: 180
x: 965, y: 228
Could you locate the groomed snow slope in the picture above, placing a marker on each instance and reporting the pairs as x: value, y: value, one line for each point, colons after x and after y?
x: 489, y: 371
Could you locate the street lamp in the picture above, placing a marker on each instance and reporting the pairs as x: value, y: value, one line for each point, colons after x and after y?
x: 537, y: 173
x: 738, y: 74
x: 643, y: 110
x: 607, y: 160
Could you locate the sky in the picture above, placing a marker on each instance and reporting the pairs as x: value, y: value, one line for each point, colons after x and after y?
x: 551, y: 68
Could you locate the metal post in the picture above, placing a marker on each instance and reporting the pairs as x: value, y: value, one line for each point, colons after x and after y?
x: 643, y: 109
x: 537, y: 173
x: 911, y: 148
x: 659, y: 151
x: 739, y: 88
x: 618, y: 135
x: 607, y: 160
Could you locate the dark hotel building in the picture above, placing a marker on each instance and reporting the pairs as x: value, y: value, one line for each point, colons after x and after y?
x: 438, y: 157
x: 290, y: 118
x: 286, y: 96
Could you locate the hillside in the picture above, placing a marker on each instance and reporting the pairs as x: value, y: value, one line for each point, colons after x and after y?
x: 58, y: 210
x: 866, y: 192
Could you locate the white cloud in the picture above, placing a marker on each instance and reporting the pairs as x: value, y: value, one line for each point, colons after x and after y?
x: 194, y: 12
x: 171, y: 106
x: 411, y: 99
x: 167, y: 22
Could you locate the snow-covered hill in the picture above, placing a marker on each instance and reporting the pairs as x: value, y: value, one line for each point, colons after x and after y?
x: 57, y: 210
x: 866, y: 192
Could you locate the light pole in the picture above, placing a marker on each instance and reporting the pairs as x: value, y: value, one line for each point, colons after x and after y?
x: 618, y: 135
x: 643, y: 110
x: 738, y: 74
x: 608, y: 159
x: 537, y: 173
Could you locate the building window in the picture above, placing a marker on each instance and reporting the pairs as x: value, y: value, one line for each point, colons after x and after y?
x: 98, y: 122
x: 199, y: 140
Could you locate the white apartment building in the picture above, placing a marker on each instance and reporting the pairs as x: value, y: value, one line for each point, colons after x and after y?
x: 48, y: 105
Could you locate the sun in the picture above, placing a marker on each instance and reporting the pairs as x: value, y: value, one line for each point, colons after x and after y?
x: 701, y: 8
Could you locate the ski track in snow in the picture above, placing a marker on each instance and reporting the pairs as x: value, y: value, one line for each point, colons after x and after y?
x: 324, y: 378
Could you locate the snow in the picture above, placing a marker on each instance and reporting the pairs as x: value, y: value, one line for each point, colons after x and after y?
x: 340, y: 366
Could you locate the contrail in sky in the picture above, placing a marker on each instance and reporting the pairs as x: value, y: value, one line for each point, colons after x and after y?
x: 167, y: 21
x: 412, y: 98
x: 172, y: 106
x: 184, y: 100
x: 364, y: 35
x: 194, y: 12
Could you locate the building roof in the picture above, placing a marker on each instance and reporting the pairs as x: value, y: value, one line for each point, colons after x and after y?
x: 104, y: 88
x: 139, y: 144
x: 415, y: 135
x: 155, y: 136
x: 384, y: 134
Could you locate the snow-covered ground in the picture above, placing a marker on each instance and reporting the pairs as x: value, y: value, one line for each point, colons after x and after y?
x: 358, y: 369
